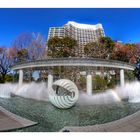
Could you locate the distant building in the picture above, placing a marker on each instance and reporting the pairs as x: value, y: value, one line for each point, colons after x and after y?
x: 82, y: 33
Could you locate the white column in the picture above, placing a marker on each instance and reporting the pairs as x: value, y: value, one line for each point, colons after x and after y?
x: 89, y: 83
x: 50, y: 79
x: 20, y: 77
x: 122, y: 77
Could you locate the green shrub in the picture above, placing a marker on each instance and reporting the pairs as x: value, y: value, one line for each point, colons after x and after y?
x: 129, y: 75
x: 113, y: 82
x: 8, y: 78
x: 99, y: 83
x: 82, y: 82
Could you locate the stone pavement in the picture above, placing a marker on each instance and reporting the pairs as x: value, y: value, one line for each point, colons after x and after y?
x: 127, y: 124
x: 9, y: 121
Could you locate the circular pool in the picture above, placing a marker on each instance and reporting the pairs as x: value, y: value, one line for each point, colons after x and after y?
x: 52, y: 119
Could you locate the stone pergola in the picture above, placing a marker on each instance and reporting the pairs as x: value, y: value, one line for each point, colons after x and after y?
x: 86, y: 63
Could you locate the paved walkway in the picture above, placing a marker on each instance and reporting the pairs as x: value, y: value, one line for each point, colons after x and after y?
x: 9, y: 121
x: 128, y: 124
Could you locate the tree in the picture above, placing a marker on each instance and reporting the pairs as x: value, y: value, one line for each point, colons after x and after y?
x: 5, y: 62
x: 99, y: 49
x: 108, y: 43
x: 126, y: 52
x: 133, y: 52
x: 22, y: 55
x: 95, y: 50
x: 54, y: 47
x: 61, y: 47
x: 69, y: 44
x: 137, y: 70
x: 37, y: 47
x: 29, y: 46
x: 22, y: 41
x: 120, y: 52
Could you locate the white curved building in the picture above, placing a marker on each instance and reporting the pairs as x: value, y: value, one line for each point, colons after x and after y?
x: 83, y: 33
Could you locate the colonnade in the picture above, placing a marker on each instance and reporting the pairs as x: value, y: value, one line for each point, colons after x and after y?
x: 88, y: 79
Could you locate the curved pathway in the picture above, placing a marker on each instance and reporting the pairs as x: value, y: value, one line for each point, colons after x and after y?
x: 127, y: 124
x: 10, y: 121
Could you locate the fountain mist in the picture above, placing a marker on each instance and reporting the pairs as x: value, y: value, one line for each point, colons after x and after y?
x: 39, y: 91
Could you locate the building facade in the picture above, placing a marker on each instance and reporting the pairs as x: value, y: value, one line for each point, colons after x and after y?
x: 82, y: 33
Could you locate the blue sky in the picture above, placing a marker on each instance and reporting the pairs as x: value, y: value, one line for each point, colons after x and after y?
x: 119, y: 24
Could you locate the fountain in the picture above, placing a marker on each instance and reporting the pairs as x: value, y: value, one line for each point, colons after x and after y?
x: 88, y: 110
x: 130, y: 91
x: 32, y: 90
x: 6, y: 90
x: 39, y: 91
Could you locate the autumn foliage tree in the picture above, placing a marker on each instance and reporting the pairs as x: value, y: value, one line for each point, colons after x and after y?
x: 126, y: 52
x: 120, y: 53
